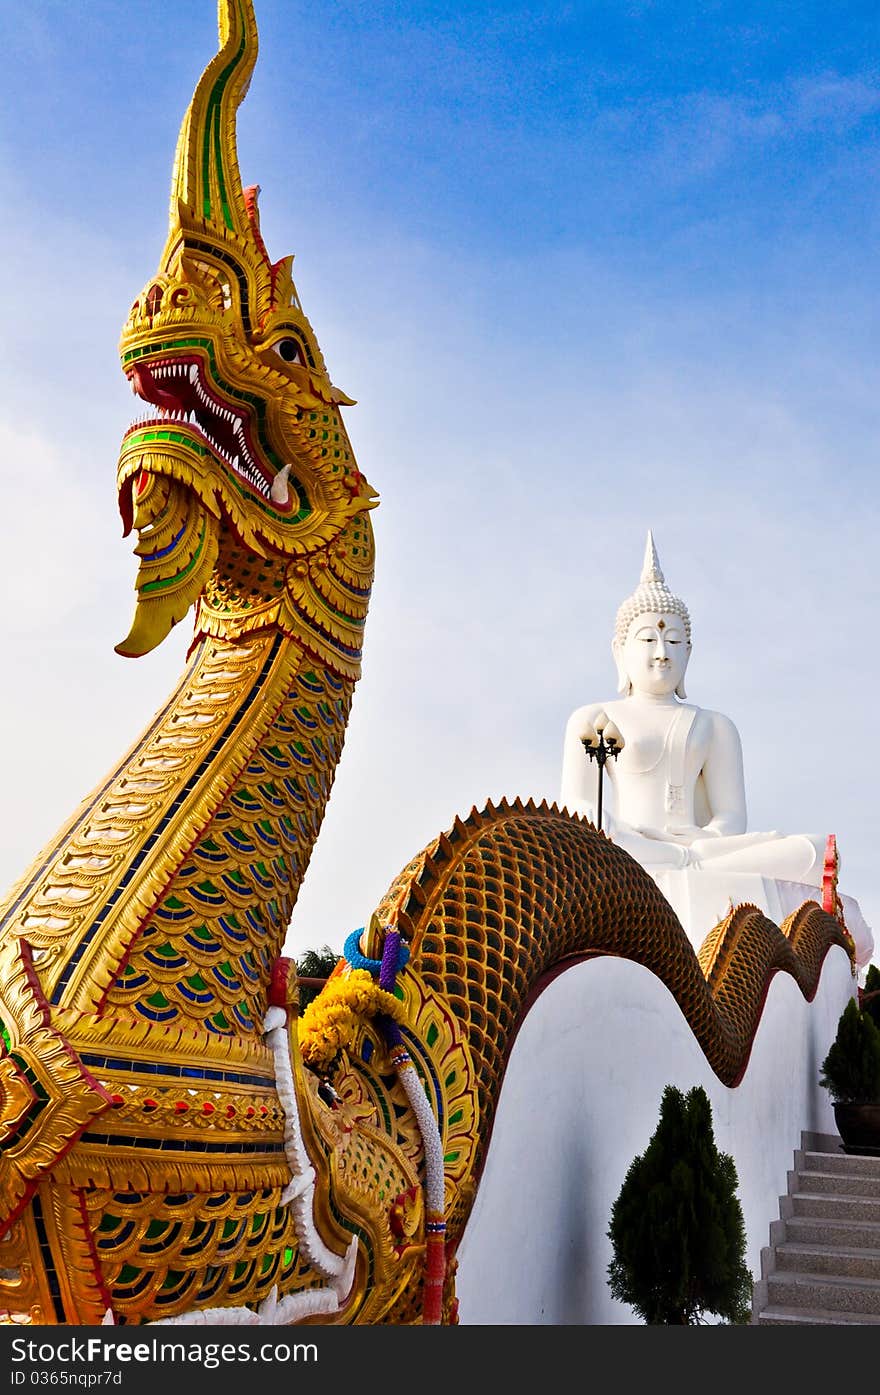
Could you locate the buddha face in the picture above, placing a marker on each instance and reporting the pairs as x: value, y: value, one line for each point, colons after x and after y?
x: 654, y: 656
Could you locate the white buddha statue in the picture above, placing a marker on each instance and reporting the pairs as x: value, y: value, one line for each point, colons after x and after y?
x: 676, y: 788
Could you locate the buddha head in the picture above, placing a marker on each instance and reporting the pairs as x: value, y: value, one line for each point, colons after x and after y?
x: 652, y: 635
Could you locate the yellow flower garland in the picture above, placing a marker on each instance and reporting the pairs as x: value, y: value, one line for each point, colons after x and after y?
x: 331, y: 1020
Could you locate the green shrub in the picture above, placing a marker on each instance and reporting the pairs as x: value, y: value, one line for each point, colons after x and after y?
x: 851, y: 1070
x: 677, y: 1228
x: 315, y: 963
x: 872, y: 985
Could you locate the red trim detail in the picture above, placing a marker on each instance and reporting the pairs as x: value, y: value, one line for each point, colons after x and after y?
x: 829, y: 877
x: 283, y: 973
x: 106, y: 1296
x: 251, y: 195
x: 435, y: 1273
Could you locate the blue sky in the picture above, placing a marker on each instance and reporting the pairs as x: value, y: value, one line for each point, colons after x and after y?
x: 586, y: 268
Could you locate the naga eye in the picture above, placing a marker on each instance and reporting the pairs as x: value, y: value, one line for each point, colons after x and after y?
x: 289, y: 350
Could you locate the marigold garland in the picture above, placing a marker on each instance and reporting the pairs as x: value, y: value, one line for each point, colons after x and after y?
x: 331, y: 1020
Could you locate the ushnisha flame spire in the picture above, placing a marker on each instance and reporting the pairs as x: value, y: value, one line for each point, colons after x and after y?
x: 651, y: 570
x: 651, y: 594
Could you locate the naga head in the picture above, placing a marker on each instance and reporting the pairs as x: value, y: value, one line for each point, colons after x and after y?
x: 240, y: 482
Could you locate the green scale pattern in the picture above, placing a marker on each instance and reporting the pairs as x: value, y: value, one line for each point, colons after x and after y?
x: 187, y: 1251
x: 206, y: 953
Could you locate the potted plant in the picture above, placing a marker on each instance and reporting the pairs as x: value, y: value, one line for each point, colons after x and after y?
x: 851, y: 1075
x: 677, y: 1229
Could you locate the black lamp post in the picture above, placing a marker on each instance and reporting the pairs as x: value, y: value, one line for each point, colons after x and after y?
x: 599, y: 747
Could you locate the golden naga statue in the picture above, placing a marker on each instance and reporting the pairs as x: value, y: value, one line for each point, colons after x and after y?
x: 176, y: 1144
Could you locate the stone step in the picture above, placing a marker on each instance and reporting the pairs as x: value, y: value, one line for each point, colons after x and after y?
x: 796, y: 1290
x: 850, y: 1184
x: 811, y: 1317
x: 828, y: 1259
x: 835, y: 1208
x: 847, y: 1235
x: 850, y: 1164
x: 821, y: 1142
x: 823, y: 1264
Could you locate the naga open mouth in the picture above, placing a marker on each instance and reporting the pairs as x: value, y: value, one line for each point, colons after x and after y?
x: 176, y: 387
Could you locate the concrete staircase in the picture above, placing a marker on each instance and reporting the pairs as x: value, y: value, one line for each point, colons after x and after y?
x: 822, y: 1265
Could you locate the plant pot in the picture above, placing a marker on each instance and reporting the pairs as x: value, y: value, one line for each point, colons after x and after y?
x: 859, y: 1127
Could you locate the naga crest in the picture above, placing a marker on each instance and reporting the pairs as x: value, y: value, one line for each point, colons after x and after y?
x: 240, y: 483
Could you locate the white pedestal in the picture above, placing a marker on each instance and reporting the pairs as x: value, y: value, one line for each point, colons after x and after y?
x: 701, y: 898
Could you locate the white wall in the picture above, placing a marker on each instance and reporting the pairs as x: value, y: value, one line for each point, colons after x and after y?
x: 581, y: 1098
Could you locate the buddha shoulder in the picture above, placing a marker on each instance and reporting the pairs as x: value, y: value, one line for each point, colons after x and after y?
x: 717, y: 733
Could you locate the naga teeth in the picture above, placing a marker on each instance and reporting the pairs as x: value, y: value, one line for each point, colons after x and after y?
x: 280, y: 492
x: 240, y: 461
